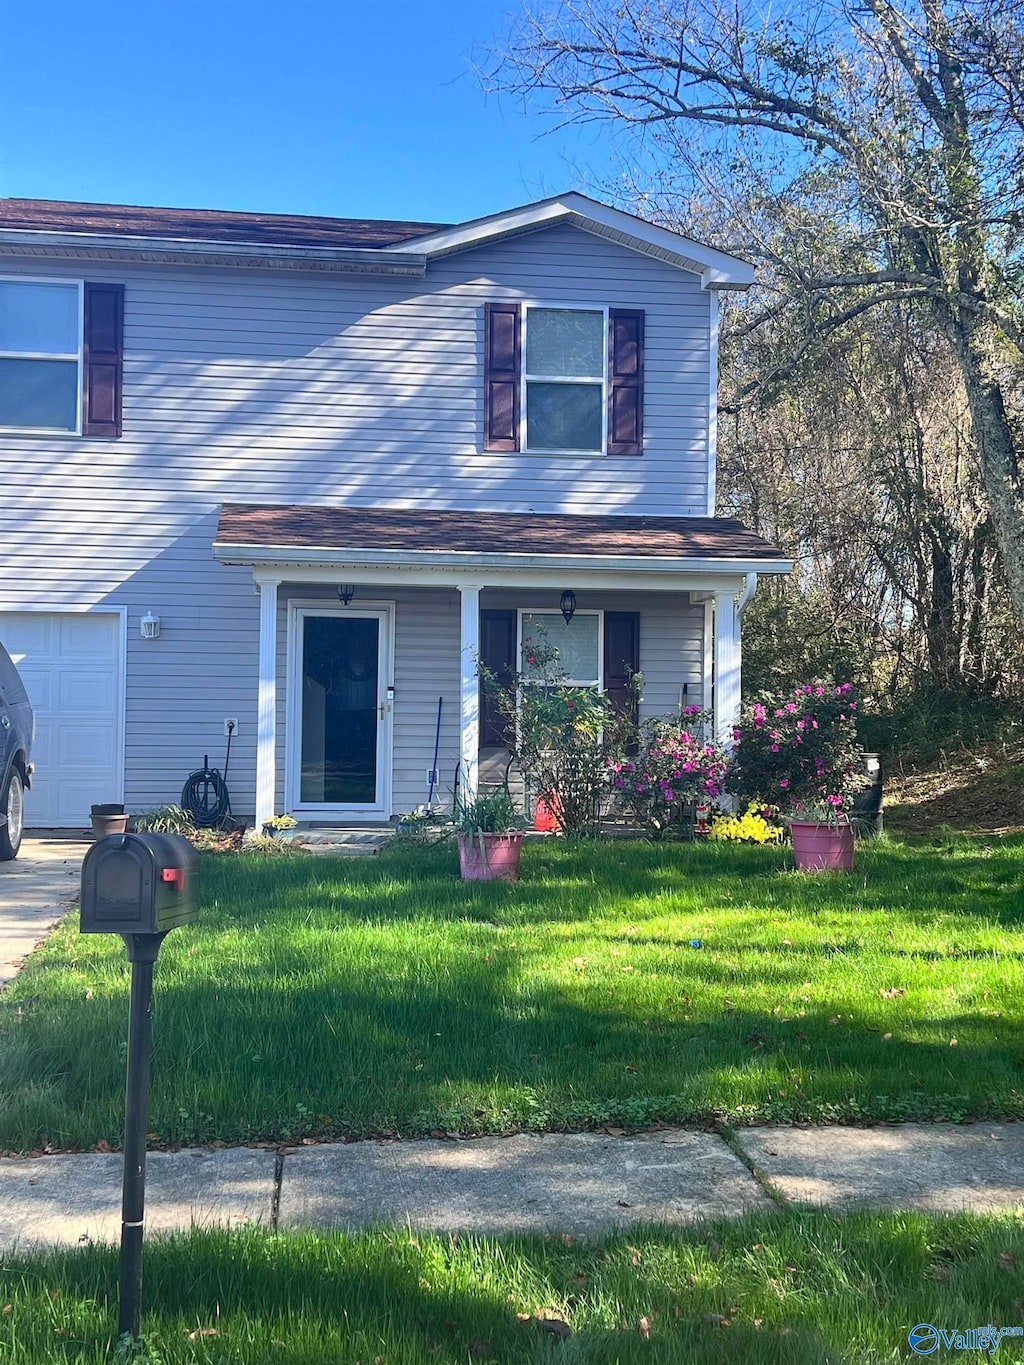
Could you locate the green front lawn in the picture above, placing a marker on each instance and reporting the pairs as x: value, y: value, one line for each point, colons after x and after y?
x: 349, y: 997
x: 773, y: 1289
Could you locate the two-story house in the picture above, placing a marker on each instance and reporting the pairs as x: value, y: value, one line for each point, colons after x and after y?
x: 302, y: 473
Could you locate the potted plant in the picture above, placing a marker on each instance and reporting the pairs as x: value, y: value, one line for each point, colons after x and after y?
x: 279, y: 826
x: 799, y: 752
x: 489, y: 835
x: 109, y: 818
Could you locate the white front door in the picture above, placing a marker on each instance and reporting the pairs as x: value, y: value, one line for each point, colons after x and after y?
x: 339, y: 714
x: 72, y: 666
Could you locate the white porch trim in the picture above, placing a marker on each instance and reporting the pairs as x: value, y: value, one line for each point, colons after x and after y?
x: 266, y: 708
x: 728, y: 657
x: 411, y: 567
x: 728, y: 661
x: 469, y: 657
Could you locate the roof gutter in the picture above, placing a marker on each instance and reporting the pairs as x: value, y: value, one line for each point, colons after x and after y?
x: 461, y: 562
x: 749, y: 588
x: 241, y: 255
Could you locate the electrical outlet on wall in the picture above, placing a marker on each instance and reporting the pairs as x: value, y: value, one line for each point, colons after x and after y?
x: 231, y: 726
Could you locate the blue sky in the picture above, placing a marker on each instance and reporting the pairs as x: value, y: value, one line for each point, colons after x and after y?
x: 355, y: 108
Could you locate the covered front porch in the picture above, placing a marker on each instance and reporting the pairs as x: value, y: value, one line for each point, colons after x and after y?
x: 373, y: 624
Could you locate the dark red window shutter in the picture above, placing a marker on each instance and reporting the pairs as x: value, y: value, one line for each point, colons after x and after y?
x: 621, y: 656
x: 625, y: 381
x: 498, y: 655
x: 104, y: 359
x: 501, y: 376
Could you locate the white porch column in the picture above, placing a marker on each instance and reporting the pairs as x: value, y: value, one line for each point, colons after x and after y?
x: 727, y: 666
x: 266, y: 707
x: 469, y: 740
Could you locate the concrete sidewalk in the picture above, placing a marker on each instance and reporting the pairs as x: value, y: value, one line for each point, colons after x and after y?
x: 580, y: 1183
x: 36, y: 889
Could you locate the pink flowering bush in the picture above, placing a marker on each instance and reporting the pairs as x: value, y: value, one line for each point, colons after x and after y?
x: 677, y: 763
x: 800, y: 752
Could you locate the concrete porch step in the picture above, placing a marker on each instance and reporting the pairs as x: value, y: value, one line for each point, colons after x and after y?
x: 343, y: 843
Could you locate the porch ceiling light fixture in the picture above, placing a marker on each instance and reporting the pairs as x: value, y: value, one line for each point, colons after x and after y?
x: 149, y: 626
x: 568, y: 605
x: 346, y: 592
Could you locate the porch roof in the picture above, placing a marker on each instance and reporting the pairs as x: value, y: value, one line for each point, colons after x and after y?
x: 252, y: 533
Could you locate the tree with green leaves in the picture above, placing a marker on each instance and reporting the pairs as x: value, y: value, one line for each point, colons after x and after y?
x: 897, y: 129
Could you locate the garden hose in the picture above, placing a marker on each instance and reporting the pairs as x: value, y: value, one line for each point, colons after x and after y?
x: 204, y: 797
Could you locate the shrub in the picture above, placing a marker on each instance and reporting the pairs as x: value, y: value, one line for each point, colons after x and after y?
x: 678, y: 763
x: 560, y: 735
x: 164, y: 820
x: 799, y: 751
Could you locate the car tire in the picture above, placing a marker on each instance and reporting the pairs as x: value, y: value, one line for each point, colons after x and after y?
x: 12, y: 804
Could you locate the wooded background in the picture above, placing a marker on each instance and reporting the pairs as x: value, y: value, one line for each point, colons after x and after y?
x: 870, y: 159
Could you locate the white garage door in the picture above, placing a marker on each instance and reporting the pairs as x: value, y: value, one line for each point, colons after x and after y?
x: 70, y: 663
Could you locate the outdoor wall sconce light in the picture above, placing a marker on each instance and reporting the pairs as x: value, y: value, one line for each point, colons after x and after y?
x: 568, y: 605
x: 346, y: 592
x: 150, y: 626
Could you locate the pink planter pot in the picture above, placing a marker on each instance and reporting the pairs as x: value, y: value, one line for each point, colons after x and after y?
x: 822, y: 847
x: 489, y: 857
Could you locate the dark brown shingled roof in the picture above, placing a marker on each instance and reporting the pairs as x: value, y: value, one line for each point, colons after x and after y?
x: 359, y: 528
x: 207, y: 225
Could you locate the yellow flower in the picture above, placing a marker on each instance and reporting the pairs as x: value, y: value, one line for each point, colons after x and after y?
x: 749, y: 828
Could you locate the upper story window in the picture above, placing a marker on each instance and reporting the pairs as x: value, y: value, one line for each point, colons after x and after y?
x: 573, y: 385
x: 61, y: 356
x: 564, y: 379
x: 40, y: 355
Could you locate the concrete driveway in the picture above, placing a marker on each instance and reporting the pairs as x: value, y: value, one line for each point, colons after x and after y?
x: 36, y: 889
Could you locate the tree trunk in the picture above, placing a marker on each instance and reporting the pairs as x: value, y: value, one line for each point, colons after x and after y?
x: 997, y: 452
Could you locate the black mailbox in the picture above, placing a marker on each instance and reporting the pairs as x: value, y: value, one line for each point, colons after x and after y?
x: 139, y: 884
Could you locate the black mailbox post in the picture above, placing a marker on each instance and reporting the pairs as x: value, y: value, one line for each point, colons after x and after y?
x: 139, y: 886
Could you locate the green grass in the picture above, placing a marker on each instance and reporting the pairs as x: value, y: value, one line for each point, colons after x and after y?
x: 765, y: 1290
x: 348, y: 997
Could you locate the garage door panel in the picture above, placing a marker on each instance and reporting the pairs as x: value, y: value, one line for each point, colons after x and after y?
x: 87, y: 746
x: 27, y: 633
x: 72, y: 669
x: 75, y: 798
x: 43, y: 748
x: 86, y: 692
x: 87, y: 637
x: 39, y: 684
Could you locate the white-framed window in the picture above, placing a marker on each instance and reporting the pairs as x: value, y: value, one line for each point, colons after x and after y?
x: 41, y: 354
x: 579, y: 643
x: 564, y: 398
